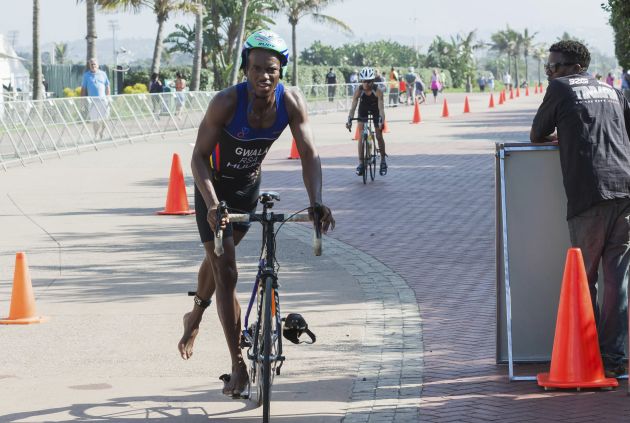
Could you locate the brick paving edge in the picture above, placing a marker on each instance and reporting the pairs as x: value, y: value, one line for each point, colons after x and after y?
x: 390, y: 375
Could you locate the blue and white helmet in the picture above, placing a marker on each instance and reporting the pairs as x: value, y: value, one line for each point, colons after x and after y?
x: 267, y: 40
x: 367, y: 74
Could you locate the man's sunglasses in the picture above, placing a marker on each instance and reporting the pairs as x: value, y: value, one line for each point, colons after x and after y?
x: 552, y: 67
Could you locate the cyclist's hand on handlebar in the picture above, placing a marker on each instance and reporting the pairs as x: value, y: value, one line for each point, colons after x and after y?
x: 212, y: 218
x: 326, y: 219
x: 349, y: 124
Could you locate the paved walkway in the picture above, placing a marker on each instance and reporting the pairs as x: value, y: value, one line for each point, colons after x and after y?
x: 112, y: 276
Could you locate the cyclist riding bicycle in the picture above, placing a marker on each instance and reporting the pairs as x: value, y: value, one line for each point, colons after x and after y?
x: 234, y: 136
x: 370, y: 101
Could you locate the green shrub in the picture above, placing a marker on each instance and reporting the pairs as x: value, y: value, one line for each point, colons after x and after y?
x: 70, y: 92
x: 137, y: 88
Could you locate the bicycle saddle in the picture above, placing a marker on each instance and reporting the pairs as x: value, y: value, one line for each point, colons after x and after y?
x: 294, y: 327
x: 267, y: 196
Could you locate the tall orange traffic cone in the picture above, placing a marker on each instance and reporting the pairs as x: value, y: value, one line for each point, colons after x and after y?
x: 518, y: 92
x: 176, y: 198
x: 491, y: 104
x: 357, y: 135
x: 540, y: 89
x: 416, y: 113
x: 466, y: 105
x: 445, y: 109
x: 385, y: 127
x: 535, y: 88
x: 295, y: 154
x: 501, y: 97
x: 22, y: 311
x: 511, y: 93
x: 576, y: 361
x: 527, y: 91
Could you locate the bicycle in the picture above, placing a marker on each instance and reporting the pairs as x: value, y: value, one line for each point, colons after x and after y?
x: 262, y: 337
x: 369, y: 148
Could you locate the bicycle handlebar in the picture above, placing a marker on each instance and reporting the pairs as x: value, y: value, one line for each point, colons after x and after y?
x: 276, y: 217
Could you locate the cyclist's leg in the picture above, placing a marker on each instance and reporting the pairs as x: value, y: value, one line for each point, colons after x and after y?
x: 229, y: 310
x: 381, y: 148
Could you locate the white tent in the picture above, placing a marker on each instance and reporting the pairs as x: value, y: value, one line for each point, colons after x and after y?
x: 12, y: 70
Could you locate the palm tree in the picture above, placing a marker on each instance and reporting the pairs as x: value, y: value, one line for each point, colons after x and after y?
x: 37, y: 61
x: 61, y: 52
x: 198, y: 52
x: 239, y: 42
x: 296, y: 10
x: 527, y: 49
x: 162, y: 9
x: 91, y: 30
x: 540, y: 54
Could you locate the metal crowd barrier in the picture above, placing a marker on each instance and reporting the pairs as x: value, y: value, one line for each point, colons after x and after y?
x: 34, y: 130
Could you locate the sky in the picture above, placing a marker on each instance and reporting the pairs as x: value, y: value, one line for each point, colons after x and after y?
x: 405, y: 21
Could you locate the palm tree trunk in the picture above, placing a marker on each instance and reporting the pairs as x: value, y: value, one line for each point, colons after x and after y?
x: 526, y: 71
x: 37, y: 63
x: 239, y: 43
x: 91, y: 30
x: 196, y: 69
x: 516, y: 71
x: 294, y: 77
x: 157, y: 50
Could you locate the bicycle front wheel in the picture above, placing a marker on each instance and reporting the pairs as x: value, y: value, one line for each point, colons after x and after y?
x: 372, y: 158
x: 366, y: 156
x: 267, y: 327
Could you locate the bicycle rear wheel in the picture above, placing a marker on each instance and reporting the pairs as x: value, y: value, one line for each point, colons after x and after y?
x: 366, y: 155
x: 267, y: 327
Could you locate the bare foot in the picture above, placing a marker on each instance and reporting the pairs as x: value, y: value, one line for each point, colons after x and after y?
x: 191, y: 328
x: 238, y: 381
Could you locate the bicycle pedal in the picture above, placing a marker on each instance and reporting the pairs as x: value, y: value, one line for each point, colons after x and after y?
x: 245, y: 343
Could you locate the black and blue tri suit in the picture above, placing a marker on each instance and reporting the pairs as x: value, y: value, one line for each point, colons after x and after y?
x: 235, y: 162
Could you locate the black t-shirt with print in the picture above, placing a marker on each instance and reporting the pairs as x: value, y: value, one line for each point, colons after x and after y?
x: 593, y: 123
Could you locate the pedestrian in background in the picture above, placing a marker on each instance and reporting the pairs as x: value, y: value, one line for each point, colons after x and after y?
x: 610, y: 79
x: 95, y: 84
x: 156, y: 88
x: 436, y: 84
x: 594, y: 141
x: 331, y: 80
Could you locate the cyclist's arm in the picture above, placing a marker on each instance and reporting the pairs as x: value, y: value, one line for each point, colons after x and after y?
x: 355, y: 101
x: 303, y: 135
x: 219, y: 111
x: 381, y: 105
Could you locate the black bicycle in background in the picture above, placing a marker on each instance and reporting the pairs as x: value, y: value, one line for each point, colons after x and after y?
x: 263, y: 336
x: 368, y: 148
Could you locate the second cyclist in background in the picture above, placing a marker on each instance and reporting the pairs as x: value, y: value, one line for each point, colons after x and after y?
x: 370, y: 101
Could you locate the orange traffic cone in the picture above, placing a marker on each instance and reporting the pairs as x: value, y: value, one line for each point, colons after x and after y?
x: 518, y: 92
x: 357, y: 135
x: 502, y: 97
x: 466, y: 105
x: 491, y: 104
x: 527, y: 91
x: 540, y: 89
x: 176, y: 198
x: 511, y: 93
x: 416, y: 113
x: 445, y: 109
x: 576, y: 361
x: 535, y: 88
x: 22, y: 311
x: 385, y: 127
x: 295, y: 154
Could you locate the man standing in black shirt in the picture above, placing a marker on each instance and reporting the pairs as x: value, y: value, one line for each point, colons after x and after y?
x: 593, y: 126
x: 331, y: 80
